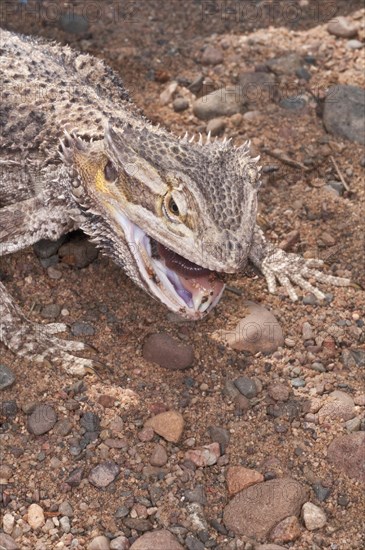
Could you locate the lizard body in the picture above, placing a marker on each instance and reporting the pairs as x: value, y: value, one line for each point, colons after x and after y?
x: 172, y: 212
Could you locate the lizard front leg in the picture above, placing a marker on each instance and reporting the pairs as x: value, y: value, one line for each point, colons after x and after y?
x: 21, y: 225
x: 286, y: 268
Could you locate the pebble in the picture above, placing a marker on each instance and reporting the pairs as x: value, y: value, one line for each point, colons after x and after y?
x: 216, y: 127
x: 239, y: 478
x: 5, y: 473
x: 344, y: 112
x: 307, y: 331
x: 279, y: 392
x: 66, y: 509
x: 65, y: 524
x: 45, y: 248
x: 7, y: 377
x: 120, y: 543
x: 340, y: 406
x: 204, y: 456
x: 223, y: 102
x: 192, y: 543
x: 78, y: 252
x: 354, y: 45
x: 293, y: 103
x: 197, y: 84
x: 212, y: 56
x: 75, y: 477
x: 313, y: 516
x: 42, y: 419
x: 103, y: 474
x: 270, y: 547
x: 285, y: 64
x: 180, y: 104
x: 157, y: 540
x: 63, y: 427
x: 7, y: 542
x: 8, y: 523
x: 35, y: 516
x: 106, y: 401
x: 80, y: 329
x: 353, y: 425
x: 221, y: 436
x: 342, y: 27
x: 168, y: 93
x: 259, y: 331
x: 99, y: 543
x: 256, y: 510
x: 90, y: 421
x: 288, y: 530
x: 346, y: 453
x: 169, y: 425
x: 159, y: 456
x: 298, y: 382
x: 196, y: 495
x: 246, y: 386
x: 167, y: 352
x: 51, y: 311
x: 322, y: 493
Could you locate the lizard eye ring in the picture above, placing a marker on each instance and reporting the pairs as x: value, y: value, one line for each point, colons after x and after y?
x: 170, y: 208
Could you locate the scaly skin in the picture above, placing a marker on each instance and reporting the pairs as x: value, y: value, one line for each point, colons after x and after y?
x: 172, y: 212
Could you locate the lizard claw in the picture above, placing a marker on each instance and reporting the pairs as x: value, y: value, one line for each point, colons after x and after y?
x: 291, y: 268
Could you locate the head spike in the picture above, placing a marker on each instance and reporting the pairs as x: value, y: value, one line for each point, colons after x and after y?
x: 209, y: 136
x: 200, y: 139
x: 191, y: 140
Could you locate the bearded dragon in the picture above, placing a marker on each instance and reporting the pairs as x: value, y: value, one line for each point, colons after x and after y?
x: 174, y: 213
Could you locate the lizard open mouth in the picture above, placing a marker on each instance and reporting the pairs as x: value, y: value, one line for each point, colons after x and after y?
x: 181, y: 285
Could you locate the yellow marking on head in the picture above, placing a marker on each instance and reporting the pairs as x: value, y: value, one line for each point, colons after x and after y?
x: 100, y: 182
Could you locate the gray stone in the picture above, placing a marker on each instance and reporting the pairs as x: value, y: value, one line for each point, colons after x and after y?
x: 7, y: 377
x: 246, y: 386
x: 66, y: 509
x: 221, y: 436
x: 223, y: 102
x: 7, y: 542
x: 216, y: 126
x: 46, y: 249
x: 180, y: 104
x: 354, y: 45
x: 51, y: 311
x: 212, y: 56
x: 42, y: 419
x: 285, y: 64
x: 344, y: 112
x: 342, y: 27
x: 78, y: 252
x: 105, y: 473
x: 80, y: 328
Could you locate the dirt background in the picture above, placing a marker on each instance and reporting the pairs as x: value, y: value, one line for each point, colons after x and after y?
x: 152, y: 43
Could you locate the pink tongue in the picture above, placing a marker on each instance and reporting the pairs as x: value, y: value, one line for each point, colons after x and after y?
x: 180, y: 265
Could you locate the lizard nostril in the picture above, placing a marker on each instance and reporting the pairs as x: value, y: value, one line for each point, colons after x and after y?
x: 110, y: 171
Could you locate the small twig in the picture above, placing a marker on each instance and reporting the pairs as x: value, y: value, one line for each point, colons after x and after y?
x: 234, y: 290
x: 285, y: 159
x: 339, y: 173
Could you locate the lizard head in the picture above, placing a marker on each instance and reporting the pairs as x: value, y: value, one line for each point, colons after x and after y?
x: 179, y: 213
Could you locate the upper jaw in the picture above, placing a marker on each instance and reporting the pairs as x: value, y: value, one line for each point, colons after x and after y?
x: 190, y: 296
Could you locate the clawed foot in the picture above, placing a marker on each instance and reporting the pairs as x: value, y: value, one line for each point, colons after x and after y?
x: 290, y: 268
x: 38, y: 343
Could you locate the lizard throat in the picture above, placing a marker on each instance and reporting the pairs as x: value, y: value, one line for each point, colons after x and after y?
x: 184, y: 287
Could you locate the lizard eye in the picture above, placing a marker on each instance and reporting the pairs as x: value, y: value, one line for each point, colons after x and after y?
x: 170, y: 208
x: 110, y: 172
